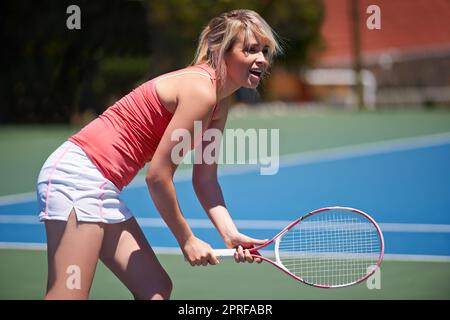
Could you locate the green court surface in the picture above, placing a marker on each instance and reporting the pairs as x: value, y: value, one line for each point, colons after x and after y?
x: 23, y: 276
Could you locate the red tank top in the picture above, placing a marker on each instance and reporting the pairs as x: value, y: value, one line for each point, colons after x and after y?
x: 125, y: 137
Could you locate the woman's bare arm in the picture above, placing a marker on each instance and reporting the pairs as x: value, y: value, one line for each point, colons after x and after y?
x: 195, y: 102
x: 209, y: 193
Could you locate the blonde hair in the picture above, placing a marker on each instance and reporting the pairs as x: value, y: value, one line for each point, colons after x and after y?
x: 221, y: 32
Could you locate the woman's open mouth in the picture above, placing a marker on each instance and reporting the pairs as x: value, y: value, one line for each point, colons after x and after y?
x: 256, y: 72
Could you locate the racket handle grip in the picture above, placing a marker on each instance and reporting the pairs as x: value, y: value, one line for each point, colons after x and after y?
x: 224, y: 253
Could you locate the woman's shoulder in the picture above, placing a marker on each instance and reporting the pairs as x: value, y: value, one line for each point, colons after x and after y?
x: 195, y: 83
x: 191, y: 72
x: 196, y: 86
x: 197, y: 80
x: 205, y: 68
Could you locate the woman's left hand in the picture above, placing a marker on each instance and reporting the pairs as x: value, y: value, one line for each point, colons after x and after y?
x: 242, y: 243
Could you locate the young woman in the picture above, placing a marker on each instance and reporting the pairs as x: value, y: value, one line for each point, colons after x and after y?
x: 80, y: 183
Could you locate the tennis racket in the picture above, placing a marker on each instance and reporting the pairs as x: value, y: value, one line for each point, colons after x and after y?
x: 327, y: 248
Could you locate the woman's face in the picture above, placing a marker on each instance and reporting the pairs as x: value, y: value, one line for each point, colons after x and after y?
x: 246, y: 64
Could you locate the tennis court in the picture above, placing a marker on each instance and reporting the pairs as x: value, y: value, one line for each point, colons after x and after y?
x: 393, y: 165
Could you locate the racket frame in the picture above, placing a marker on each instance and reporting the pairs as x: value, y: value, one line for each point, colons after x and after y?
x: 277, y: 238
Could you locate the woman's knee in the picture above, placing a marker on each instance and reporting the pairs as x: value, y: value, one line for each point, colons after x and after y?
x: 51, y: 295
x: 159, y: 289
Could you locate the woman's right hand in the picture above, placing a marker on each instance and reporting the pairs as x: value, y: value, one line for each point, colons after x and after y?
x: 198, y: 252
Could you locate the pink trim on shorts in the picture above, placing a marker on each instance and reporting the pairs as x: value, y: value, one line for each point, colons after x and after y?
x: 101, y: 198
x: 50, y: 178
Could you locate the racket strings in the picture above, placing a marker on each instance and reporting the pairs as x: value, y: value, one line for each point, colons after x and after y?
x: 331, y: 249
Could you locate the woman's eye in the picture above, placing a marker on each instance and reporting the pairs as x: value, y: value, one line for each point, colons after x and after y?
x: 254, y: 50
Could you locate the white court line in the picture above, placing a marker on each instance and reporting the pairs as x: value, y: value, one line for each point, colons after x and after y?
x: 414, y: 257
x: 177, y: 251
x: 23, y: 245
x: 17, y: 198
x: 245, y: 224
x: 330, y: 154
x: 301, y: 158
x: 366, y: 149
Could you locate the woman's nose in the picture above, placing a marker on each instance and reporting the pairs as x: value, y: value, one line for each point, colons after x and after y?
x: 261, y: 58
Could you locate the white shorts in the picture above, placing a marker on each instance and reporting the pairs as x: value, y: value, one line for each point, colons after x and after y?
x: 69, y: 180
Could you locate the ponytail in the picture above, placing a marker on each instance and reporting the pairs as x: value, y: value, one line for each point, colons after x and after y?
x: 202, y: 53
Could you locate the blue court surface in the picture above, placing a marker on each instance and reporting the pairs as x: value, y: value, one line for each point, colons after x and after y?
x: 403, y: 184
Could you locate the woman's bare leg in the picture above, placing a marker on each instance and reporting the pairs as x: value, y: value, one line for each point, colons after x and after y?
x: 127, y: 253
x: 73, y: 250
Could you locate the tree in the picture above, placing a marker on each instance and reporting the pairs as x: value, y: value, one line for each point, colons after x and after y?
x: 51, y: 73
x: 176, y: 24
x: 47, y: 65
